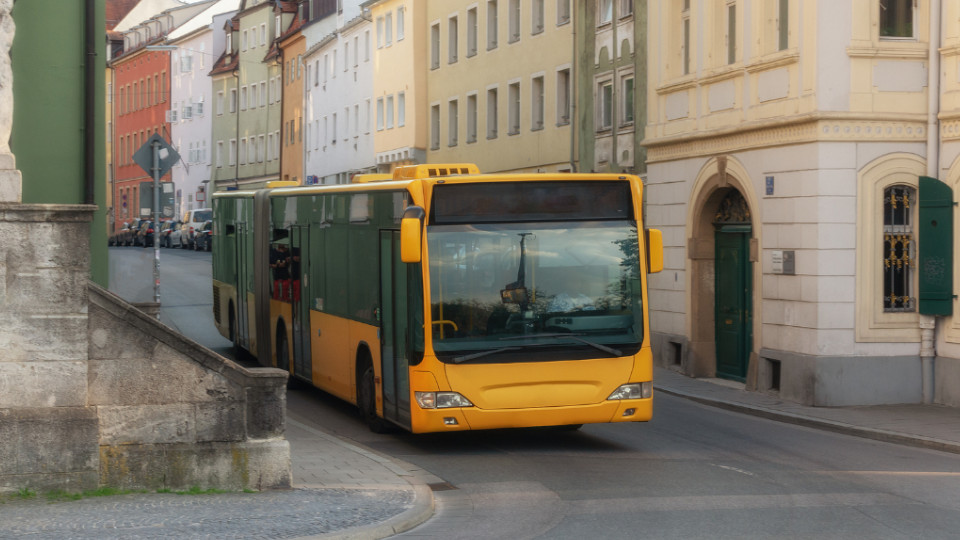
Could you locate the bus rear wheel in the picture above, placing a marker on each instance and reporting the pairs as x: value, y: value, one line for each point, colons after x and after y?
x: 367, y: 401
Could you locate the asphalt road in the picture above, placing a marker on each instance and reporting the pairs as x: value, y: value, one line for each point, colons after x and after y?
x: 693, y: 472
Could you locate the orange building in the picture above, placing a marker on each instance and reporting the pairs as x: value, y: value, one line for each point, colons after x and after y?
x: 292, y: 48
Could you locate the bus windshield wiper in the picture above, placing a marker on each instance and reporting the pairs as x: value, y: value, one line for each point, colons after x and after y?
x: 474, y: 356
x: 573, y: 336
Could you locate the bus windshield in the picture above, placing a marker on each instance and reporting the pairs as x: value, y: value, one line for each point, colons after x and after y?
x: 503, y: 292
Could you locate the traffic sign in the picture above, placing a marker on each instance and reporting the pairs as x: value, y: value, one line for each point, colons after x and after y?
x: 168, y: 157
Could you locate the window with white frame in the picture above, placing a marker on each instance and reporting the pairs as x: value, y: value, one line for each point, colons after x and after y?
x: 379, y: 32
x: 492, y: 113
x: 604, y: 12
x: 536, y: 103
x: 263, y: 93
x: 243, y: 151
x: 380, y: 122
x: 453, y: 118
x: 685, y: 31
x: 220, y: 103
x: 435, y: 46
x: 435, y: 127
x: 366, y: 116
x: 400, y: 23
x: 513, y: 112
x: 243, y: 41
x: 625, y: 9
x: 563, y: 12
x: 471, y: 118
x: 346, y: 55
x: 356, y: 51
x: 536, y: 16
x: 563, y: 97
x: 219, y: 154
x: 492, y: 24
x: 233, y: 152
x: 333, y: 129
x: 627, y: 100
x: 472, y: 31
x: 263, y: 34
x: 513, y: 12
x: 401, y: 109
x: 233, y: 100
x: 389, y: 113
x: 253, y: 95
x: 453, y: 38
x: 356, y: 119
x: 604, y: 105
x: 388, y: 28
x: 366, y: 46
x: 198, y: 107
x: 897, y: 19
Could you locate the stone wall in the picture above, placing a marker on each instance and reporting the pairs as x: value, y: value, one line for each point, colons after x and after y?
x: 173, y: 414
x: 96, y: 392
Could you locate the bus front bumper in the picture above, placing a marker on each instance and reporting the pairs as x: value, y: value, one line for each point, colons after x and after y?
x: 470, y: 418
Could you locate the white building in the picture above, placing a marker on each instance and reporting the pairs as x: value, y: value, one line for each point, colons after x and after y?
x: 338, y: 137
x: 197, y: 43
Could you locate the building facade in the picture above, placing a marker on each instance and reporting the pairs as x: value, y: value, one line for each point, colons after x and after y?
x: 499, y: 84
x: 786, y: 141
x: 292, y: 45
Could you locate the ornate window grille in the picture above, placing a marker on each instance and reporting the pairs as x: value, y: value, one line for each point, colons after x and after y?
x: 899, y: 249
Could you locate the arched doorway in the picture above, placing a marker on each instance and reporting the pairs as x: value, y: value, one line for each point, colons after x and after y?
x: 733, y: 287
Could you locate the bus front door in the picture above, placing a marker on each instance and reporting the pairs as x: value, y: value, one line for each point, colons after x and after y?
x: 299, y: 277
x: 394, y: 330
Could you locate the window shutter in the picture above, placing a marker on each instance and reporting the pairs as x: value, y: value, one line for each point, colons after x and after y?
x: 935, y: 247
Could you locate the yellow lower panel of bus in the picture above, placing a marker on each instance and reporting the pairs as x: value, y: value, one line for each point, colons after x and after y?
x: 539, y: 384
x: 333, y: 352
x: 433, y: 420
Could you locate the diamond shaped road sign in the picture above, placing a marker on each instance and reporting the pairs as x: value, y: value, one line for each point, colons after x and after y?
x: 144, y: 156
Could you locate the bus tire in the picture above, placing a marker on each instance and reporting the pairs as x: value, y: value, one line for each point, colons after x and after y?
x: 367, y: 400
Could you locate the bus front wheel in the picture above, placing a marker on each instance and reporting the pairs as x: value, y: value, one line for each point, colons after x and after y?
x: 367, y: 401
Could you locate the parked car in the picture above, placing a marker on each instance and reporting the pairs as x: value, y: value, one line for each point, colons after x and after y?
x: 203, y: 240
x: 146, y: 234
x: 177, y: 237
x: 165, y: 229
x: 192, y: 221
x: 115, y: 238
x: 128, y: 233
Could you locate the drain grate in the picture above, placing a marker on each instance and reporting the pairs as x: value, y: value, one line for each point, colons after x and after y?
x: 441, y: 486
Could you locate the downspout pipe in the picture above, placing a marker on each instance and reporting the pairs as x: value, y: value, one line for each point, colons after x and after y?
x: 90, y: 101
x: 928, y: 323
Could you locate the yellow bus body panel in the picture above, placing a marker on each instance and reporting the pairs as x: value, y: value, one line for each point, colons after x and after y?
x: 333, y: 352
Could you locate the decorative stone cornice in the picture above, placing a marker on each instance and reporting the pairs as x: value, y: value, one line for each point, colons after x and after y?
x: 801, y: 130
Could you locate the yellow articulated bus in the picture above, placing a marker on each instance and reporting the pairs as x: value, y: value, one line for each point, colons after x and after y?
x: 444, y: 299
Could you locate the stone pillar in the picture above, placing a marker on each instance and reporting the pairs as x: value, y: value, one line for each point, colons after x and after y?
x: 10, y: 183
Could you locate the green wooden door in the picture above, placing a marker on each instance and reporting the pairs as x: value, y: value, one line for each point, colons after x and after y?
x: 733, y: 301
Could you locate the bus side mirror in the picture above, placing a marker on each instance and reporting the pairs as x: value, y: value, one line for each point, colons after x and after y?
x: 410, y: 242
x: 654, y: 242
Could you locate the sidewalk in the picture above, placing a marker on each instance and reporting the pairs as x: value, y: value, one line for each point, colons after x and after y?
x: 927, y: 426
x: 341, y: 491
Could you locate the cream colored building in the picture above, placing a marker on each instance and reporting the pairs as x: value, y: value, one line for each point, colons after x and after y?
x: 399, y: 101
x: 500, y: 80
x: 785, y: 141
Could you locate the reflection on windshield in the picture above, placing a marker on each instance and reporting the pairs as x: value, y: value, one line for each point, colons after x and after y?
x: 530, y: 282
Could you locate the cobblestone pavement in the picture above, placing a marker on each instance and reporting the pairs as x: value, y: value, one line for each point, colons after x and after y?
x: 277, y: 514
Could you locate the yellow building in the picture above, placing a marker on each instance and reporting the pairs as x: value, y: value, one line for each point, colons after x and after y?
x: 292, y: 48
x: 499, y: 79
x: 399, y: 82
x: 786, y: 141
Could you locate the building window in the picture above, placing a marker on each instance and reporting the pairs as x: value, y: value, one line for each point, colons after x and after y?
x: 220, y: 103
x: 243, y: 41
x: 471, y: 32
x: 389, y: 112
x: 783, y: 25
x: 563, y: 12
x: 685, y: 51
x: 356, y: 51
x: 536, y: 103
x: 243, y: 98
x: 513, y: 101
x: 435, y: 127
x: 514, y: 13
x: 492, y: 113
x: 604, y: 105
x: 896, y: 19
x: 536, y: 17
x: 379, y: 32
x: 453, y: 38
x: 243, y: 151
x: 472, y: 118
x: 263, y: 93
x: 401, y: 109
x: 731, y: 32
x: 261, y: 148
x: 253, y: 95
x: 898, y: 249
x: 604, y: 12
x: 627, y: 97
x: 379, y: 114
x: 492, y: 21
x: 626, y: 9
x: 435, y: 46
x: 263, y: 34
x: 563, y: 97
x: 388, y: 29
x: 400, y: 23
x: 453, y: 118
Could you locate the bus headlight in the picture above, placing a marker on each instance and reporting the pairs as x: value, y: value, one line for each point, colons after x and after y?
x: 633, y: 391
x: 441, y: 400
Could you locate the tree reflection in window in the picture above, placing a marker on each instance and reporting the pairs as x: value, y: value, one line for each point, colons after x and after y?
x: 898, y: 249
